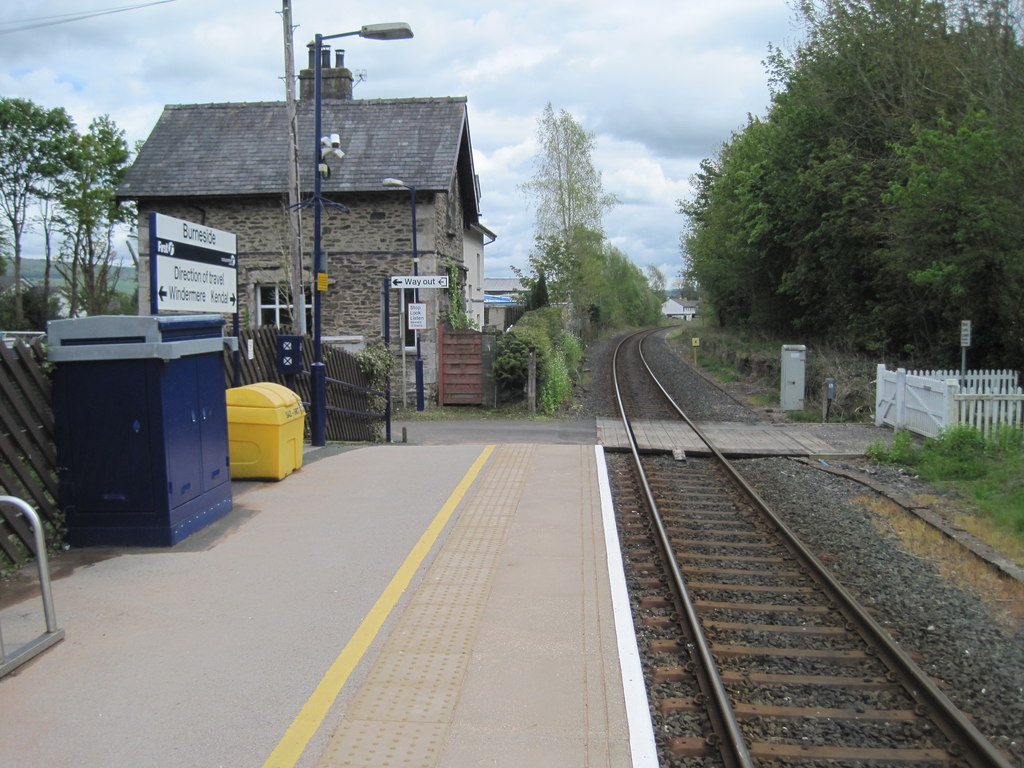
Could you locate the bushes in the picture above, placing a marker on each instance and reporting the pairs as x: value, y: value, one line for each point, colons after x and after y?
x: 558, y: 357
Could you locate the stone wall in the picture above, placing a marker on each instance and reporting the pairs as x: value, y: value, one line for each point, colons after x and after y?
x: 361, y: 248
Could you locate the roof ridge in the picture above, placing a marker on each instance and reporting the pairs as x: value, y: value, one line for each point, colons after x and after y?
x: 369, y: 102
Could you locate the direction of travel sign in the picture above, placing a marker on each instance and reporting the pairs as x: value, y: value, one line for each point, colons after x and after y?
x: 194, y: 268
x: 419, y: 281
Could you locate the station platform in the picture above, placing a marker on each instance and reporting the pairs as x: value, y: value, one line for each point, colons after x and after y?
x: 395, y: 605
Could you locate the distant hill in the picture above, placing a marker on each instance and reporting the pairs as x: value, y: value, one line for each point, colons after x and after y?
x: 34, y: 270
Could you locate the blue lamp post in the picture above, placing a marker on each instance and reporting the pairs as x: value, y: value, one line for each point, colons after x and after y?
x: 325, y: 147
x: 415, y: 270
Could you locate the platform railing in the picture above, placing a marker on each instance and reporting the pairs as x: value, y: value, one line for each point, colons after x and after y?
x: 53, y: 634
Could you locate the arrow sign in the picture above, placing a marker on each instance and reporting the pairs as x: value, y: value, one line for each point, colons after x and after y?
x: 419, y: 281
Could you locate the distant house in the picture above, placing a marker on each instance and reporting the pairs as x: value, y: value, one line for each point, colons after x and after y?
x: 226, y: 166
x: 503, y: 301
x: 679, y: 309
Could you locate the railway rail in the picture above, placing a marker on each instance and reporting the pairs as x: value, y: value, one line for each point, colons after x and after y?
x: 755, y: 653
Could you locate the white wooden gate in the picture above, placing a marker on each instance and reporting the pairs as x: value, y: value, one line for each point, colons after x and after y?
x: 926, y: 402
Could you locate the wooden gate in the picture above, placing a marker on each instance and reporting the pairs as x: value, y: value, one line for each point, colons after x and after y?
x: 460, y: 378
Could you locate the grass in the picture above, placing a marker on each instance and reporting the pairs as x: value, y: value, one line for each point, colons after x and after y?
x: 714, y: 367
x: 988, y: 472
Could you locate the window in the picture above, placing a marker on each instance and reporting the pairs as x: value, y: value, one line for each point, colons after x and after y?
x: 274, y: 306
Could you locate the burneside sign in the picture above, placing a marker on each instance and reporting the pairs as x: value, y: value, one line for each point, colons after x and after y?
x: 194, y: 268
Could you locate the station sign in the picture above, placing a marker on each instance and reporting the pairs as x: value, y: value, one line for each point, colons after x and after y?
x: 419, y: 281
x: 194, y: 267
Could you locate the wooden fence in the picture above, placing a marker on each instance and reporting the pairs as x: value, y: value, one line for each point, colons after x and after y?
x: 28, y: 460
x: 28, y: 457
x: 351, y: 412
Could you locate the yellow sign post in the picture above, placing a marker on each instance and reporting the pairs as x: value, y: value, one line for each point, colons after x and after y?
x: 695, y: 343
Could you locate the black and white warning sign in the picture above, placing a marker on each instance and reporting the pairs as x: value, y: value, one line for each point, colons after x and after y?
x: 194, y: 267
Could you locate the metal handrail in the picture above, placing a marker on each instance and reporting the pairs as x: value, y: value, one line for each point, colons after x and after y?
x: 53, y: 634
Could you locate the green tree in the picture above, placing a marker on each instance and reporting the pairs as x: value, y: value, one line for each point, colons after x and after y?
x: 88, y: 214
x: 33, y: 148
x: 656, y: 279
x: 872, y: 194
x: 36, y: 310
x: 958, y: 241
x: 572, y: 263
x: 566, y: 186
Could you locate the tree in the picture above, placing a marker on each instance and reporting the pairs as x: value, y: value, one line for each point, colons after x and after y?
x: 656, y: 279
x: 566, y: 186
x: 877, y: 192
x: 33, y: 147
x: 88, y: 215
x: 537, y: 296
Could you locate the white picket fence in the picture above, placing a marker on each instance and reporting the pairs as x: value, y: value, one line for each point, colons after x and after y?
x: 927, y: 402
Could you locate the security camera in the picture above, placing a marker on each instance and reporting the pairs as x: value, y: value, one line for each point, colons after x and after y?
x: 330, y: 146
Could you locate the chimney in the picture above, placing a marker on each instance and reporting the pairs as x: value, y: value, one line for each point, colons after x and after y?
x: 335, y: 82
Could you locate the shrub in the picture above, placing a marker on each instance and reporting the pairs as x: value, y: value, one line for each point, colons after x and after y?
x: 558, y: 356
x: 377, y: 363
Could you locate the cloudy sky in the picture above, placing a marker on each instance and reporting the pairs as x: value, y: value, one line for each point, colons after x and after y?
x: 660, y: 83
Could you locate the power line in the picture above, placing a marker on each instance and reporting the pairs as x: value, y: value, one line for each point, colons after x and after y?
x: 66, y: 18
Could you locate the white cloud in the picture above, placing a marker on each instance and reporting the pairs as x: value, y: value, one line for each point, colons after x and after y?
x: 661, y: 84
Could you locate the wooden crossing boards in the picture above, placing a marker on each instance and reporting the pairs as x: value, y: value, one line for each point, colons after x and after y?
x: 737, y: 439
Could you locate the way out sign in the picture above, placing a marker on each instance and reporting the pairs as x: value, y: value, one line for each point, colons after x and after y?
x: 417, y: 316
x: 193, y: 268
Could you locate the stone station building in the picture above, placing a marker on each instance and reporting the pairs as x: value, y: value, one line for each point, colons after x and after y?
x: 225, y: 166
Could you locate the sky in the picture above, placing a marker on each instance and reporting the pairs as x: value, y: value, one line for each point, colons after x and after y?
x: 660, y: 84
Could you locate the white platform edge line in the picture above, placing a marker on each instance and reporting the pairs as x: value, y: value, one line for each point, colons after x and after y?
x: 642, y: 747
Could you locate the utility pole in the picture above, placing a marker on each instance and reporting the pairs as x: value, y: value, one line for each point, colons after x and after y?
x: 294, y: 215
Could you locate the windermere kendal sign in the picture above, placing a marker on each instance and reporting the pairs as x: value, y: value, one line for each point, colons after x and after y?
x: 194, y: 268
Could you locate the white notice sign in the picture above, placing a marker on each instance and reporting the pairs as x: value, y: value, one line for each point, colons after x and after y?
x: 417, y: 316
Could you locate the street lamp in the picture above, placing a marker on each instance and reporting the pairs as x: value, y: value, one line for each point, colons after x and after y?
x: 399, y: 184
x: 324, y: 147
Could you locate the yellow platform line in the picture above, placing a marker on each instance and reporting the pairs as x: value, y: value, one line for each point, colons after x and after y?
x: 291, y: 746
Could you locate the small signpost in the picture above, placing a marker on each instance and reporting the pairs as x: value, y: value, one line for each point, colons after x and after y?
x: 417, y: 316
x: 695, y: 343
x: 965, y: 342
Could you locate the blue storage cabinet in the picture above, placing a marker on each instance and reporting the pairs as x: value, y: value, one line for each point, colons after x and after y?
x: 141, y: 426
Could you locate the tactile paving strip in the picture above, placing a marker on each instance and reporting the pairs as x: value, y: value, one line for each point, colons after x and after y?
x: 402, y: 712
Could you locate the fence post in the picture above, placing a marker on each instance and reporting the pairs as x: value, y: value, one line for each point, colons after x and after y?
x: 531, y: 381
x: 950, y: 405
x: 879, y: 393
x: 901, y: 400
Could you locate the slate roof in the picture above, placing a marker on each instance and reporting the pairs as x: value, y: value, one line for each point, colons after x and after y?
x: 242, y: 148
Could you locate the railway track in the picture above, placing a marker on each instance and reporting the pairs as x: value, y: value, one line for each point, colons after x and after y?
x: 755, y: 654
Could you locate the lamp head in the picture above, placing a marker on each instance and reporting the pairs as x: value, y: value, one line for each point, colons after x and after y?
x: 398, y: 30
